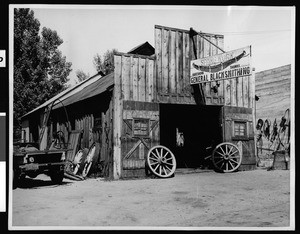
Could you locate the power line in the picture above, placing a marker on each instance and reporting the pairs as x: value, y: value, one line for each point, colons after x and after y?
x: 252, y: 32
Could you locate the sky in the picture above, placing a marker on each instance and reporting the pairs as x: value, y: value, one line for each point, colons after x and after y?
x: 90, y: 29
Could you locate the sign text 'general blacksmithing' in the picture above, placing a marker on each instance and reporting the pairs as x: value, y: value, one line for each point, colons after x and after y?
x: 232, y: 64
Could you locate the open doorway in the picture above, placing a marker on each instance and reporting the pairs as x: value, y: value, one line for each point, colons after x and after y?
x: 187, y: 130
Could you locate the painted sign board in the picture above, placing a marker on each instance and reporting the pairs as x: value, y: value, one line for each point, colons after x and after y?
x: 232, y: 64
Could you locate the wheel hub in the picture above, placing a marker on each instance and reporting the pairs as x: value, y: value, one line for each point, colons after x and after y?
x: 161, y: 160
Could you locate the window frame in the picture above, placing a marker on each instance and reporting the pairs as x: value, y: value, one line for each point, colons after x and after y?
x: 240, y: 122
x: 147, y: 121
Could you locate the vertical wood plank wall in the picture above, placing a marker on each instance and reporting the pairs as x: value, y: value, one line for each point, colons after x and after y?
x: 101, y: 134
x: 85, y: 123
x: 134, y: 77
x: 134, y: 81
x: 165, y: 79
x: 174, y: 51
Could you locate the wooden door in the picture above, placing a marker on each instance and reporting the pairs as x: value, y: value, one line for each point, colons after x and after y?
x: 238, y: 129
x: 140, y: 132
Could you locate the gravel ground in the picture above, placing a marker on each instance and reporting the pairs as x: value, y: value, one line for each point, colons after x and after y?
x: 207, y: 199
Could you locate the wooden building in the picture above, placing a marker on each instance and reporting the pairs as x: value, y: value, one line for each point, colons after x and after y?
x: 148, y: 99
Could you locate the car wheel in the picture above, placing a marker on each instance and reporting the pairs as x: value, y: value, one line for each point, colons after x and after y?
x: 57, y: 176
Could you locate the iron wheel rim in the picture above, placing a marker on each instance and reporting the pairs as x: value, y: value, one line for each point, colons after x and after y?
x: 161, y: 161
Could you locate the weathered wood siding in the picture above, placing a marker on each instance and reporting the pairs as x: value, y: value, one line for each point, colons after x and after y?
x: 165, y: 78
x: 134, y: 81
x: 245, y: 143
x: 135, y: 77
x: 239, y: 92
x: 85, y: 123
x: 102, y: 134
x: 135, y: 148
x: 174, y: 50
x: 106, y: 140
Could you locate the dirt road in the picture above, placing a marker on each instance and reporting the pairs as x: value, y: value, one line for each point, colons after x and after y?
x: 257, y: 198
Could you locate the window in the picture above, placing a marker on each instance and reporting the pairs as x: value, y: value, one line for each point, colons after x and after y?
x: 141, y: 127
x: 240, y: 129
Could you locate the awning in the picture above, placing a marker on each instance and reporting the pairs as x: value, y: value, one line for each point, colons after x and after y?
x: 96, y: 88
x: 87, y: 88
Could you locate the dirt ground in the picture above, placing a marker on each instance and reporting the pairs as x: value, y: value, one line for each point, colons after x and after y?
x: 206, y: 199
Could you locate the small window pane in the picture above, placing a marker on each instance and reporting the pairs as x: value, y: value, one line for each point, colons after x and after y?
x: 141, y: 127
x: 239, y: 129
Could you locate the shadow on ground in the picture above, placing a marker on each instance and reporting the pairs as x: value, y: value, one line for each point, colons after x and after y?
x: 29, y: 183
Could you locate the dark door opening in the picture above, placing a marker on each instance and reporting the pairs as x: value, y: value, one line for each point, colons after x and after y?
x: 187, y: 130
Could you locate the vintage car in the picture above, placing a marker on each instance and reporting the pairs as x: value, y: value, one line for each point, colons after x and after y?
x: 29, y: 161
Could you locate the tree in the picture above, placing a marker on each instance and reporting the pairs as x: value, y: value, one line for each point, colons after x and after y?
x: 54, y: 62
x: 105, y: 63
x: 40, y: 69
x: 81, y: 76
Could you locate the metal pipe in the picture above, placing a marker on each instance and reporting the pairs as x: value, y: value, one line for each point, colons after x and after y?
x: 211, y: 42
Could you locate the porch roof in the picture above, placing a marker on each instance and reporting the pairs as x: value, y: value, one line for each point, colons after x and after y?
x: 99, y: 86
x: 88, y: 88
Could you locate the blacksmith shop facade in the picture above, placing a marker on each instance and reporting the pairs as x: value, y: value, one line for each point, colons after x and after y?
x: 172, y: 95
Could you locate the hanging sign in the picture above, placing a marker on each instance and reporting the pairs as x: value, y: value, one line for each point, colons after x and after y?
x: 232, y: 64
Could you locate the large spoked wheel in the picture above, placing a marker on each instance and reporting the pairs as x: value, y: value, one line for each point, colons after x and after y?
x: 226, y: 157
x: 77, y: 161
x: 161, y: 161
x: 89, y: 160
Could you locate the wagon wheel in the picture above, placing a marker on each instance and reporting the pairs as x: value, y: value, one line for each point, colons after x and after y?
x: 89, y: 160
x: 226, y: 157
x: 161, y: 161
x: 77, y: 160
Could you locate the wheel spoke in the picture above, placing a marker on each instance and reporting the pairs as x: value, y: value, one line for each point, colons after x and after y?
x: 153, y: 163
x: 161, y: 152
x: 160, y: 170
x: 220, y: 154
x: 168, y: 168
x: 231, y: 164
x: 154, y: 155
x: 168, y: 159
x: 165, y: 155
x: 222, y: 165
x: 237, y: 157
x: 226, y: 149
x: 230, y: 150
x: 157, y: 153
x: 165, y: 171
x: 154, y: 159
x: 219, y: 161
x: 168, y: 163
x: 234, y: 153
x: 226, y: 166
x: 156, y: 167
x: 223, y: 151
x: 233, y: 161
